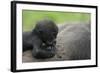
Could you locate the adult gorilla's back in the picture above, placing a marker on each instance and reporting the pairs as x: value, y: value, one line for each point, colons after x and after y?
x: 75, y: 41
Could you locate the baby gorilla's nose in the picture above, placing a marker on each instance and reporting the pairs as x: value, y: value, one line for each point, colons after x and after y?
x: 49, y: 43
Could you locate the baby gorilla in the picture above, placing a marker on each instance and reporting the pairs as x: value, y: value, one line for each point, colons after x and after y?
x: 42, y: 39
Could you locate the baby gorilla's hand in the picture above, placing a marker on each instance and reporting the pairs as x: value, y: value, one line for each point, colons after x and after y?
x: 49, y: 48
x: 45, y: 52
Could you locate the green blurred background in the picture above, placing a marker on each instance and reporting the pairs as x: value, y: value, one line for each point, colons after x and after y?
x: 30, y: 17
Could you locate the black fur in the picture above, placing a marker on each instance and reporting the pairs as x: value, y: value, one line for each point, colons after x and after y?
x: 42, y: 39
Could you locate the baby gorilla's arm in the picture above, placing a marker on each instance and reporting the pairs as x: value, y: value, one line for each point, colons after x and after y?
x: 44, y: 52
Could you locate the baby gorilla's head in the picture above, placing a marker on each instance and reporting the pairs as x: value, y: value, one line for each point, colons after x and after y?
x: 47, y: 31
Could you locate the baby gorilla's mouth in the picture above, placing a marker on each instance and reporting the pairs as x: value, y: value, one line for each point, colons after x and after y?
x: 50, y: 43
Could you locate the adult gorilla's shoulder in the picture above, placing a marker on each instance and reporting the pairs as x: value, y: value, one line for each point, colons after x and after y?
x: 75, y: 40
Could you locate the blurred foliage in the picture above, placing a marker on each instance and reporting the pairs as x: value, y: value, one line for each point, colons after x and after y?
x: 30, y: 17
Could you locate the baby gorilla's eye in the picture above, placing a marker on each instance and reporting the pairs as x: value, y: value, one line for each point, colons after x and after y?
x: 54, y: 33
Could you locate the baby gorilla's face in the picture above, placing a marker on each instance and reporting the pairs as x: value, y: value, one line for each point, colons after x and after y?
x: 48, y: 37
x: 47, y: 30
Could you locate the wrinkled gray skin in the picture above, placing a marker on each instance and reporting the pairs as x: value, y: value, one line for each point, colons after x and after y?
x: 73, y: 43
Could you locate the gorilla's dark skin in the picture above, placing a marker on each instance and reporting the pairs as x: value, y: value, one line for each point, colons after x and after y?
x: 42, y: 39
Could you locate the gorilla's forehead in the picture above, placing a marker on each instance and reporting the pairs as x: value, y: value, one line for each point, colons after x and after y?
x: 50, y: 29
x: 47, y: 26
